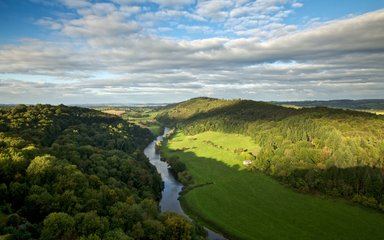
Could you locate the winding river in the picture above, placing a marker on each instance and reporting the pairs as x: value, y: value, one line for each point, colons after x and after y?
x: 172, y: 188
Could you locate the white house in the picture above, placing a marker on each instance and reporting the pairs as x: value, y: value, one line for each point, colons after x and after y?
x: 247, y: 162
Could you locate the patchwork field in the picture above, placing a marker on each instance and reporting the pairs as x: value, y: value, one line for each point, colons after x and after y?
x: 142, y: 116
x: 245, y: 204
x: 114, y: 112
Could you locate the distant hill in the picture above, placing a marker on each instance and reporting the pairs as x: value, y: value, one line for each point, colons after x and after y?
x: 364, y: 104
x: 333, y: 151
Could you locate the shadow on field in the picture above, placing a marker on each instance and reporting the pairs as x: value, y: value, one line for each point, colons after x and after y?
x: 246, y: 204
x: 206, y: 173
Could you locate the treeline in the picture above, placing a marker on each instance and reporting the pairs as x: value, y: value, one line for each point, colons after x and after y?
x: 364, y: 104
x: 179, y: 170
x: 177, y: 167
x: 364, y: 185
x: 75, y: 173
x: 293, y: 141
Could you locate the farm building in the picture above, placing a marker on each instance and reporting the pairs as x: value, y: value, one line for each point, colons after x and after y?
x: 247, y: 162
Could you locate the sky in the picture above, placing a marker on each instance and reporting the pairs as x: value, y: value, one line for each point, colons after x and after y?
x: 162, y: 51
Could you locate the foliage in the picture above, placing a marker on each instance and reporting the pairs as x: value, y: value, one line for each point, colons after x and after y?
x: 58, y: 226
x: 141, y: 116
x: 364, y: 104
x: 364, y: 185
x: 75, y: 173
x: 178, y: 170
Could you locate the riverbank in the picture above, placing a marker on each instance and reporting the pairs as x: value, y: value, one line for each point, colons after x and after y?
x: 172, y: 188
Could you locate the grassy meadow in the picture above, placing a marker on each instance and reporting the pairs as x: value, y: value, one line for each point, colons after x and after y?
x: 377, y: 112
x: 246, y: 204
x: 142, y: 116
x: 155, y: 129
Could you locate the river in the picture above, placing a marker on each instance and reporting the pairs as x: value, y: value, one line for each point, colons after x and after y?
x: 172, y: 188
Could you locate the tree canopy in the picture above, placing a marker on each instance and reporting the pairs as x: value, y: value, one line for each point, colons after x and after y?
x: 76, y: 173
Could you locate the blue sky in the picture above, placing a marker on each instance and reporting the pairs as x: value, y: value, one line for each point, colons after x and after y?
x: 18, y: 18
x: 136, y: 51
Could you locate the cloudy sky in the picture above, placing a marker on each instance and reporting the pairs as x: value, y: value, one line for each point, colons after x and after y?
x: 140, y: 51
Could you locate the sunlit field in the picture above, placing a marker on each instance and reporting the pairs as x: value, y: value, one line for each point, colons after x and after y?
x: 245, y: 204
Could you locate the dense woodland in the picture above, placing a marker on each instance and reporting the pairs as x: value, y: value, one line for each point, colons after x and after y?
x: 321, y: 150
x: 75, y: 173
x: 364, y: 104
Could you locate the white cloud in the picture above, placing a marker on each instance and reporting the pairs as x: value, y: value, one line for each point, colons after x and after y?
x: 75, y: 3
x: 270, y: 60
x: 98, y: 9
x: 169, y: 14
x: 49, y: 23
x: 358, y: 35
x: 92, y: 26
x: 297, y: 5
x: 173, y: 2
x: 362, y: 34
x: 214, y: 9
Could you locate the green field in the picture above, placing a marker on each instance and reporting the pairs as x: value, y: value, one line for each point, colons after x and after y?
x: 377, y: 112
x: 155, y: 129
x: 142, y: 116
x: 245, y: 204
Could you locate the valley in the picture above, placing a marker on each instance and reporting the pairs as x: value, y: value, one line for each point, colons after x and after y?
x: 191, y: 120
x: 250, y: 170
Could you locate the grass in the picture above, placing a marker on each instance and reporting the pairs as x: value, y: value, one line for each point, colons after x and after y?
x: 114, y: 112
x: 291, y: 106
x: 245, y: 204
x: 377, y: 112
x: 142, y: 116
x: 155, y: 129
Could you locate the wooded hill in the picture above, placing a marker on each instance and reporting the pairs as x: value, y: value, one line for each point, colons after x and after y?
x: 331, y: 151
x: 364, y: 104
x: 75, y: 173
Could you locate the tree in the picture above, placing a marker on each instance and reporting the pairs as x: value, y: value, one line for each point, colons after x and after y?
x: 90, y: 237
x: 90, y: 223
x: 17, y: 192
x: 137, y: 231
x: 153, y: 229
x: 177, y: 227
x: 3, y: 192
x: 116, y: 234
x: 125, y: 215
x: 40, y: 170
x: 58, y: 225
x: 38, y: 203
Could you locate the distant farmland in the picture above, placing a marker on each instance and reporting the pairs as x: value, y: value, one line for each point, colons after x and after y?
x: 114, y: 112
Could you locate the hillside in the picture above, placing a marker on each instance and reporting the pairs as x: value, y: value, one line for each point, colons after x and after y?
x: 364, y: 104
x: 331, y: 151
x: 75, y: 173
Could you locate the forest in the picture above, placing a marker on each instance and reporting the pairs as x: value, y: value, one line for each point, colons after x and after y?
x: 364, y: 104
x: 318, y: 150
x: 76, y: 173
